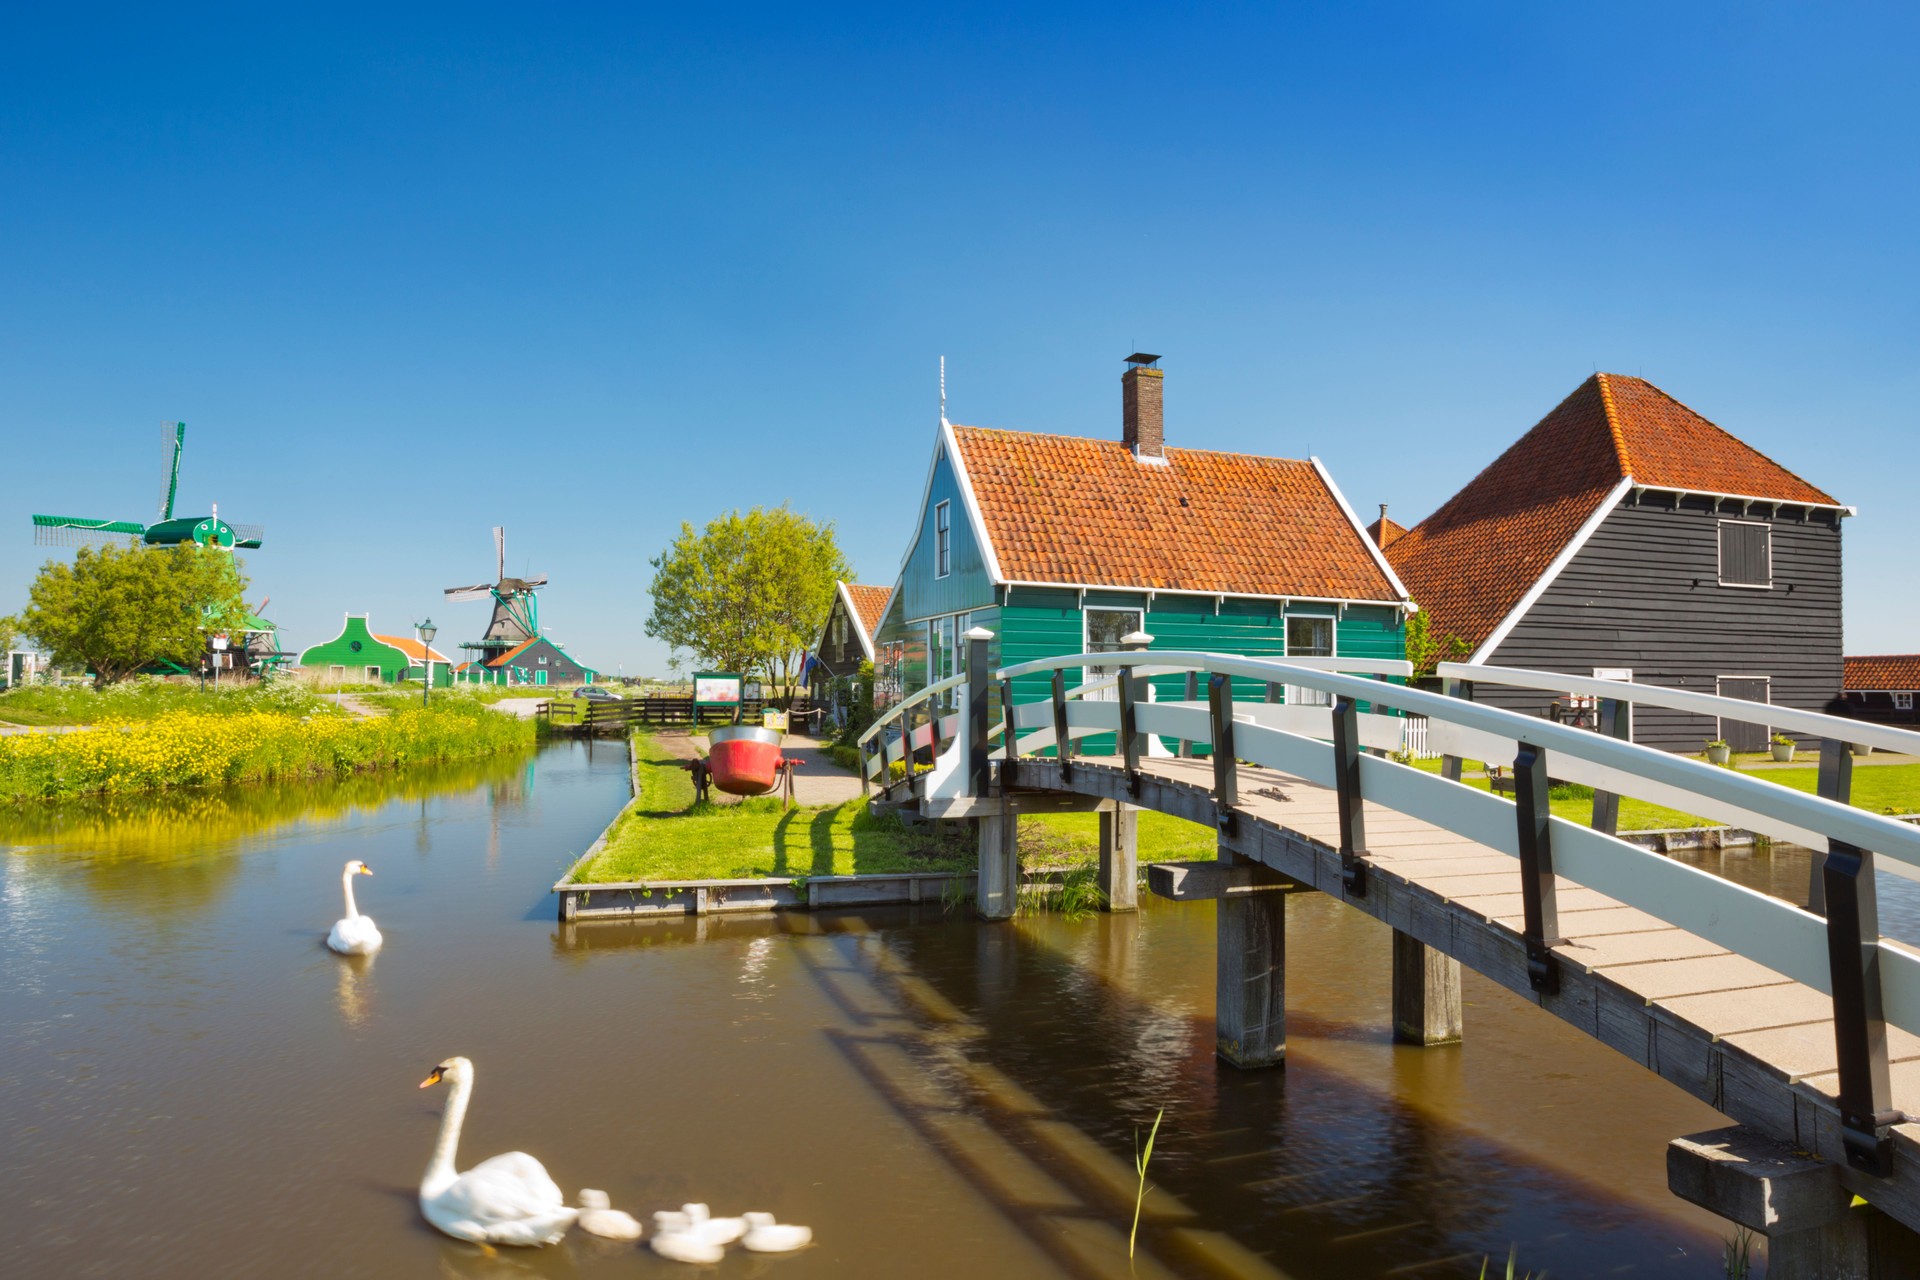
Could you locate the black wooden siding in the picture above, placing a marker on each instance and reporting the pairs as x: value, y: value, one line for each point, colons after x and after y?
x: 1645, y: 593
x: 835, y: 661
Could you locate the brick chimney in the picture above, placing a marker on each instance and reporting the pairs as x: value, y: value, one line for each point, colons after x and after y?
x: 1143, y: 425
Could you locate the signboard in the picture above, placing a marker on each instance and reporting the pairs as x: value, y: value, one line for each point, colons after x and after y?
x: 716, y: 689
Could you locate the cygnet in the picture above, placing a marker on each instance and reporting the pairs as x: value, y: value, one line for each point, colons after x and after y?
x: 598, y: 1217
x: 764, y: 1235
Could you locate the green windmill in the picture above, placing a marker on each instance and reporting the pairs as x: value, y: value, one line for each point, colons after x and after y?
x: 169, y: 530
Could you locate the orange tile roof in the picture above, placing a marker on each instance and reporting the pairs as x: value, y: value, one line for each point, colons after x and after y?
x: 1470, y: 563
x: 1385, y: 532
x: 1075, y: 510
x: 1884, y: 671
x: 869, y: 605
x: 412, y: 648
x: 517, y: 650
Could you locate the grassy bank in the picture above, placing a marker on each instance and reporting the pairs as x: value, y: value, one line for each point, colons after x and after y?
x: 184, y: 748
x: 148, y: 699
x: 1892, y: 788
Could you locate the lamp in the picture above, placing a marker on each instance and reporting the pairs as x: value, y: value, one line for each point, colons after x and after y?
x: 426, y: 632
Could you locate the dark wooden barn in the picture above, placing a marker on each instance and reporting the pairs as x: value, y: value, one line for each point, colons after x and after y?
x: 845, y: 642
x: 1626, y: 536
x: 1882, y: 687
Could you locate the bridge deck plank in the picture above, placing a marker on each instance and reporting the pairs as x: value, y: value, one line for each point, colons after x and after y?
x: 1731, y: 1032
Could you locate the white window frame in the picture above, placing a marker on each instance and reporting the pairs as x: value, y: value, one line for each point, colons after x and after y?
x: 1293, y: 694
x: 1720, y: 568
x: 374, y: 674
x: 1089, y: 674
x: 1719, y: 722
x: 942, y: 539
x: 1903, y: 700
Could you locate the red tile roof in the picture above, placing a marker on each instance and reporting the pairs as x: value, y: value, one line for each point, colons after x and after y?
x: 517, y: 650
x: 1884, y: 671
x: 1385, y: 532
x: 1075, y: 510
x: 869, y: 605
x: 1470, y: 563
x: 412, y: 648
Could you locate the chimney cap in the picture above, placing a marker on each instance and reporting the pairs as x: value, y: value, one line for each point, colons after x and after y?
x: 1141, y: 359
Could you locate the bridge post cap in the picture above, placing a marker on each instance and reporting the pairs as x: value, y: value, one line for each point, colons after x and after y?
x: 1136, y: 639
x: 977, y: 633
x: 1755, y: 1180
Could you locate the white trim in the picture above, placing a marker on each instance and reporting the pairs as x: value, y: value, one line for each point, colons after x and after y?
x: 942, y: 510
x: 860, y: 623
x: 1777, y: 503
x: 968, y: 500
x: 1719, y: 559
x: 1539, y: 588
x: 1379, y: 556
x: 1216, y: 596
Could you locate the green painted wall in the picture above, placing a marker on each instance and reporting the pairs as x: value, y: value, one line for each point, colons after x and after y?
x: 967, y: 585
x: 356, y: 650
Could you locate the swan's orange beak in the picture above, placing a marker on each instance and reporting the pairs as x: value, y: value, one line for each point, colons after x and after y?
x: 432, y: 1079
x: 365, y: 870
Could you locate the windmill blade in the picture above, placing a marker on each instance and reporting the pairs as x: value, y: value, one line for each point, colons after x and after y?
x: 499, y: 552
x: 173, y: 442
x: 248, y: 535
x: 78, y: 531
x: 478, y: 591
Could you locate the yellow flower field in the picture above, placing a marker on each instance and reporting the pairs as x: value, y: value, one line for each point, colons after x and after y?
x: 187, y: 748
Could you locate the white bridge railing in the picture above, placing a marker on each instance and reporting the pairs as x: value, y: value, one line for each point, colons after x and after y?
x: 1872, y: 982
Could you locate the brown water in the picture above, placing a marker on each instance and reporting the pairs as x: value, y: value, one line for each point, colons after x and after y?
x: 191, y: 1085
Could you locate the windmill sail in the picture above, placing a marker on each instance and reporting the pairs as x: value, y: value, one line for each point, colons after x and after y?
x: 79, y: 531
x: 173, y: 442
x: 479, y: 591
x: 499, y: 552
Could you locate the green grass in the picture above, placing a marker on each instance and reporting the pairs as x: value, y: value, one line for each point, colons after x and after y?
x: 664, y: 835
x: 144, y: 699
x: 1892, y: 788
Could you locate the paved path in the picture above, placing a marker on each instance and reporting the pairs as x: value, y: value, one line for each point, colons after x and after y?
x: 817, y: 779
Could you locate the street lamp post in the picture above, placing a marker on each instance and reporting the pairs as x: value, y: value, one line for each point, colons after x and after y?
x: 426, y: 630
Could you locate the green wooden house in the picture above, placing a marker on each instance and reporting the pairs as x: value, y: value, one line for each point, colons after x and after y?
x: 357, y: 654
x: 1063, y: 544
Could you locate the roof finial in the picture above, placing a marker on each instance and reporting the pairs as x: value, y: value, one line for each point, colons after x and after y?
x: 943, y: 388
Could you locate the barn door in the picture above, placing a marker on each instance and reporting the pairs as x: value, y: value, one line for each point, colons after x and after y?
x: 1745, y: 735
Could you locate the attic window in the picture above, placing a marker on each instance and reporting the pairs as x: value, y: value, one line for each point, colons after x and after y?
x: 943, y: 540
x: 1746, y: 554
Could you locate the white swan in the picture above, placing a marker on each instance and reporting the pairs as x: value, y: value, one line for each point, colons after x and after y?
x: 506, y: 1200
x: 598, y: 1217
x: 764, y: 1235
x: 355, y: 935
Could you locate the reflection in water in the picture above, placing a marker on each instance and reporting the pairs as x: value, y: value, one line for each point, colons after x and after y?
x: 929, y: 1094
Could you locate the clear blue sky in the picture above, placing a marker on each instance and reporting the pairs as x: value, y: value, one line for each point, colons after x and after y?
x: 409, y: 273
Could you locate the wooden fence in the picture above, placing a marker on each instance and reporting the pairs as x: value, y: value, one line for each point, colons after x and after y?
x: 621, y: 714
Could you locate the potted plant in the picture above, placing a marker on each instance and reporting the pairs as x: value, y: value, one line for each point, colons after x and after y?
x: 1718, y: 752
x: 1782, y: 747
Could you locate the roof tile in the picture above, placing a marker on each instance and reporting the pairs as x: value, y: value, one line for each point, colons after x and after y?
x: 1884, y: 671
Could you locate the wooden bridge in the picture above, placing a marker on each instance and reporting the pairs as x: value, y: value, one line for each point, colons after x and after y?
x: 1801, y: 1025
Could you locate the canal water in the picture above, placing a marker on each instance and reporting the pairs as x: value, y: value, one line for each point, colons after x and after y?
x: 191, y: 1085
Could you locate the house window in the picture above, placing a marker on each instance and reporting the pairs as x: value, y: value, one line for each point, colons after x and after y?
x: 1309, y: 638
x: 1105, y: 628
x: 943, y: 539
x: 840, y: 630
x: 1903, y: 701
x: 543, y: 659
x: 1746, y: 554
x: 373, y: 674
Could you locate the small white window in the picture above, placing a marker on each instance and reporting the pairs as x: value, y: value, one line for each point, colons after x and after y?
x: 943, y: 540
x: 1903, y: 701
x: 1746, y: 554
x: 543, y: 659
x: 373, y: 673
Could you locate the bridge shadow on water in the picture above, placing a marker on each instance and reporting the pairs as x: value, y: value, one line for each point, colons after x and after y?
x: 1034, y: 1056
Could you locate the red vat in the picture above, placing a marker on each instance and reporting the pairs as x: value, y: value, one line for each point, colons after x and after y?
x: 745, y: 759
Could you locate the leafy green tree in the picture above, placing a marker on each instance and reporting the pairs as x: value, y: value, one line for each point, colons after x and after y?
x: 749, y: 592
x: 116, y: 610
x: 1424, y: 649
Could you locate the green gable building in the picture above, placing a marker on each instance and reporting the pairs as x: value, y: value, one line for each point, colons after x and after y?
x: 358, y: 654
x: 1063, y: 544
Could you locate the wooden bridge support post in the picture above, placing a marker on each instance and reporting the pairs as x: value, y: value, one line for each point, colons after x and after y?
x: 1538, y: 898
x: 1859, y: 1020
x: 1616, y: 721
x: 1835, y: 784
x: 996, y: 893
x: 1450, y: 765
x: 1062, y: 744
x: 1009, y: 738
x: 979, y: 702
x: 1250, y: 977
x: 1120, y: 857
x: 1226, y: 768
x: 1426, y: 993
x: 1346, y: 776
x: 1192, y: 695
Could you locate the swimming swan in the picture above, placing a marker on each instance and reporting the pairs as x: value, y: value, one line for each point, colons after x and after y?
x: 764, y: 1235
x: 506, y: 1200
x: 598, y: 1217
x: 355, y: 935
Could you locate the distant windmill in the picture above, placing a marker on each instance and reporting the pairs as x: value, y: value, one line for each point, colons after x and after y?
x: 168, y: 530
x: 516, y: 609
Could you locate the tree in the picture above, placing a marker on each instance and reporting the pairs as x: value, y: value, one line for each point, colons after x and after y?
x: 1424, y: 648
x: 116, y: 610
x: 748, y: 592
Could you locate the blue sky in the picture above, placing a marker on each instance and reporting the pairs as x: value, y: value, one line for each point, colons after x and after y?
x: 591, y: 272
